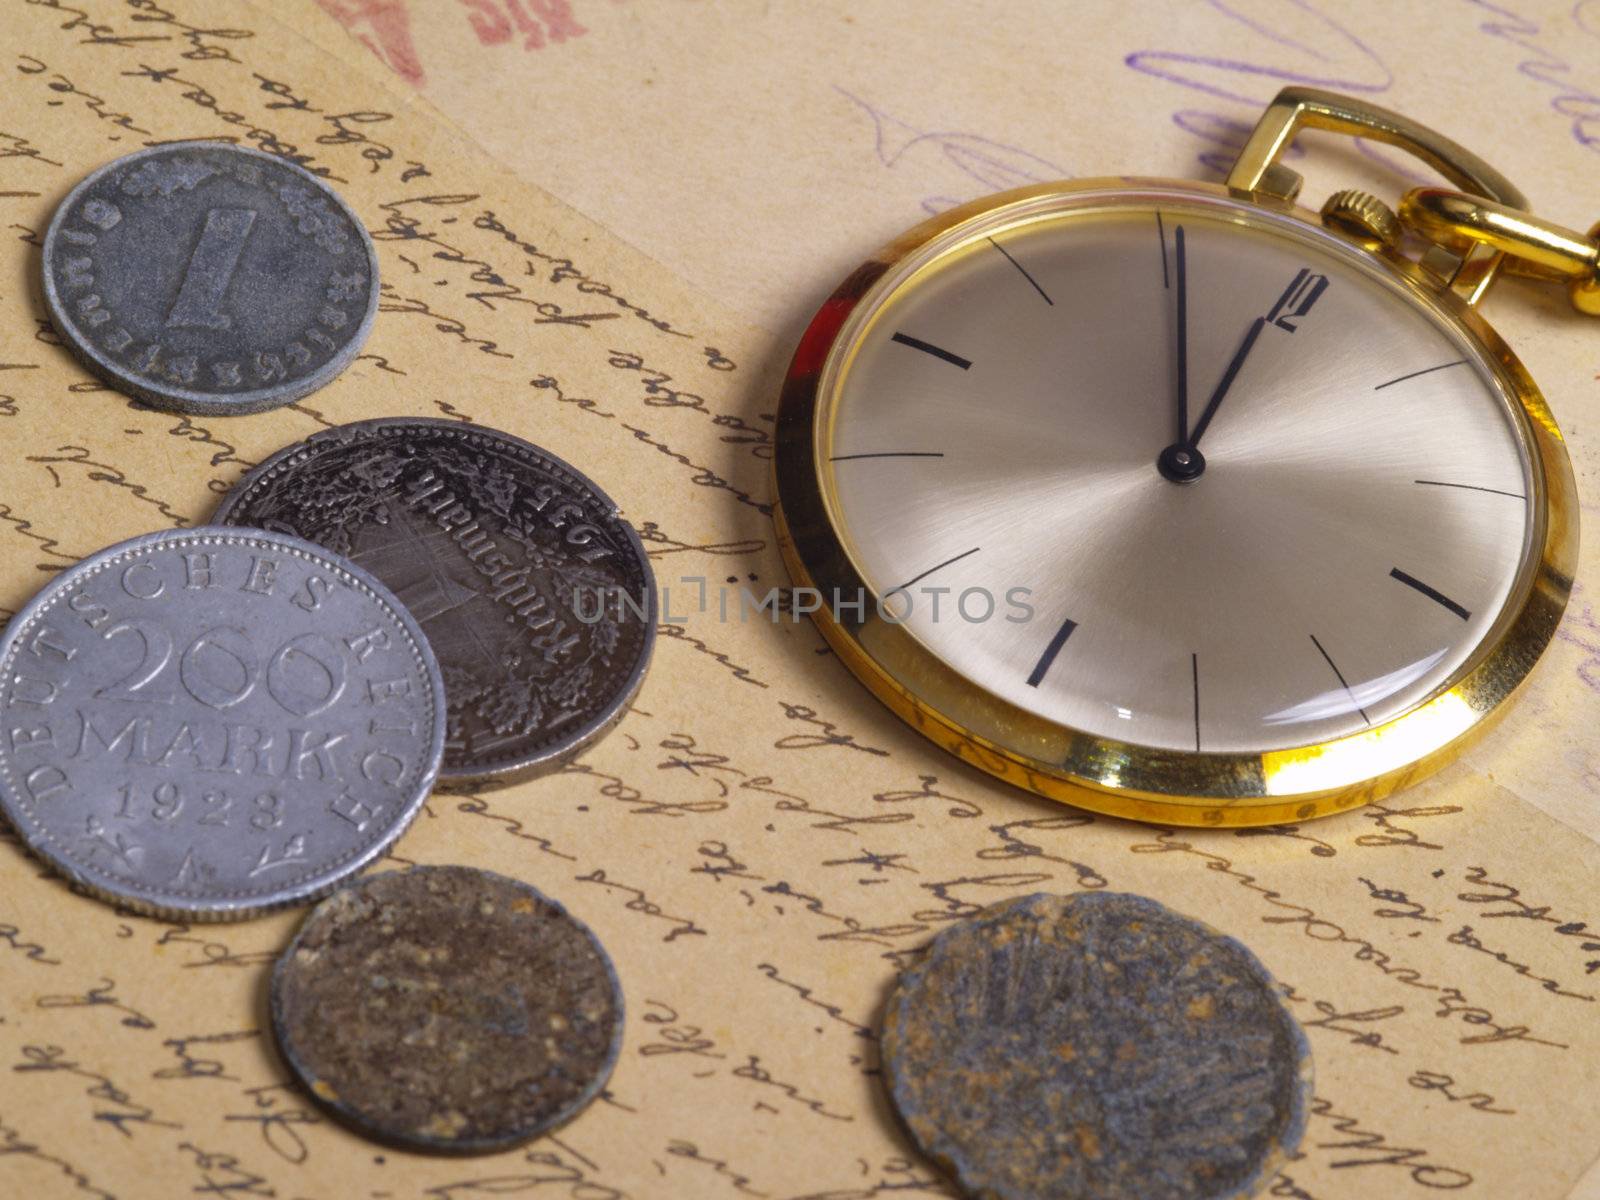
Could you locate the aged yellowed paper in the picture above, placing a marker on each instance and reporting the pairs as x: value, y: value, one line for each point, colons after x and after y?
x: 758, y: 844
x: 758, y: 147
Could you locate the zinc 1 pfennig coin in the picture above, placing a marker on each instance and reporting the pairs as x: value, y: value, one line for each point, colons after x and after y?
x: 211, y: 279
x: 447, y: 1008
x: 536, y: 595
x: 204, y: 724
x: 1096, y: 1047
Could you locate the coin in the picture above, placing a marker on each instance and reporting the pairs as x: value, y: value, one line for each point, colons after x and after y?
x: 537, y: 597
x: 208, y: 278
x: 1096, y: 1046
x: 447, y: 1008
x: 207, y: 723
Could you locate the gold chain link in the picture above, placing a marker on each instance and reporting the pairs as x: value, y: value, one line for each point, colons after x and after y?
x: 1491, y: 211
x: 1536, y: 247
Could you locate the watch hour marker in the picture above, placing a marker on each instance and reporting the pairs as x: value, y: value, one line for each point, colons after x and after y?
x: 1471, y: 487
x: 928, y: 348
x: 1302, y: 293
x: 1338, y: 674
x: 1425, y: 371
x: 1036, y: 677
x: 1024, y: 271
x: 939, y: 567
x: 889, y: 454
x: 1431, y: 593
x: 1194, y: 664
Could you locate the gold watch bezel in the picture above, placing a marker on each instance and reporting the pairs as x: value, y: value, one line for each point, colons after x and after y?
x: 1122, y: 778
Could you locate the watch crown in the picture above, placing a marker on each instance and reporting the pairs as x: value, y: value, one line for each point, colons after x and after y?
x: 1362, y: 214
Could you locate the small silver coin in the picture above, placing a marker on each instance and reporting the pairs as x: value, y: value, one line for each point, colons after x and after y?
x: 1097, y: 1046
x: 208, y: 278
x: 536, y: 596
x: 205, y: 724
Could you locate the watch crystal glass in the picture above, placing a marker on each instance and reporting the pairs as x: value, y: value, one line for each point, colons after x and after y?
x: 1176, y: 473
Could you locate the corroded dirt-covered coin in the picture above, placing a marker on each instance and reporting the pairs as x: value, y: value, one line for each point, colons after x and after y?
x: 538, y: 598
x: 209, y: 278
x: 447, y: 1008
x: 1096, y: 1047
x: 208, y: 723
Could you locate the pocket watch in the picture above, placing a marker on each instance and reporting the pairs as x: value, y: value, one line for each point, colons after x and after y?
x: 1182, y: 502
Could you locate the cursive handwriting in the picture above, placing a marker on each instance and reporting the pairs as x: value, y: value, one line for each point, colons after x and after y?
x: 111, y: 1104
x: 1452, y: 1003
x: 638, y: 902
x: 103, y: 995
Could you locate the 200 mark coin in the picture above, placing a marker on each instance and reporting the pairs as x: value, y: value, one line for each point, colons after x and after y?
x: 209, y: 278
x: 208, y: 723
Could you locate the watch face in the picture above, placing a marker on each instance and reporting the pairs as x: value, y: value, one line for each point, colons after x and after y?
x: 1175, y: 474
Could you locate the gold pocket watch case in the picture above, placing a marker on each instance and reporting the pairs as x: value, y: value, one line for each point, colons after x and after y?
x: 1181, y: 502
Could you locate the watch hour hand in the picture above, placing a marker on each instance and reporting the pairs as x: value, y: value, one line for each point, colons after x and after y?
x: 1228, y: 376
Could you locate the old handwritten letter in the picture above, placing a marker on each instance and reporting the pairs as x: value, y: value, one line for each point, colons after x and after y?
x: 759, y: 844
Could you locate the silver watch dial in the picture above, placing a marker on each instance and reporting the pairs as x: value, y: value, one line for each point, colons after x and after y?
x: 1180, y: 479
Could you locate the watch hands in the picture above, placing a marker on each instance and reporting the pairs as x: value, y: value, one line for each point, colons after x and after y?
x: 1182, y: 461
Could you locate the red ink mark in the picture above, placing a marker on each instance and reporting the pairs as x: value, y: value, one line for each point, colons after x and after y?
x: 495, y: 21
x: 387, y: 33
x: 557, y: 17
x: 488, y: 22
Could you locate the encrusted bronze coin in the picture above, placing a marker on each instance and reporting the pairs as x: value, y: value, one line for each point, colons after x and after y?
x: 447, y: 1008
x: 1096, y: 1047
x: 536, y: 596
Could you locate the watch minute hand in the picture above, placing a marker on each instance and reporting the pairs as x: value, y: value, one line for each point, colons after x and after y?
x: 1183, y: 340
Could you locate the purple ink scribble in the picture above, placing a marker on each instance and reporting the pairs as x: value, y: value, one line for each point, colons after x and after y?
x: 990, y: 165
x: 1254, y: 83
x: 1580, y: 105
x: 1581, y: 628
x: 1177, y: 67
x: 1586, y: 16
